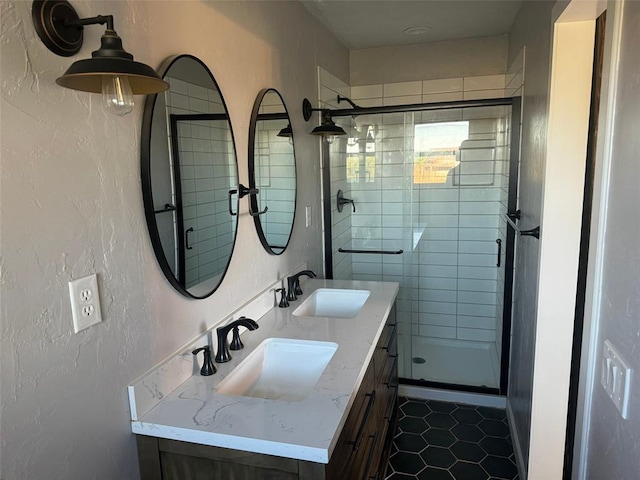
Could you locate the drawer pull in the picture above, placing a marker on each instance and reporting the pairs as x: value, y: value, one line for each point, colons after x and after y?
x: 391, y: 338
x: 394, y: 367
x: 356, y: 442
x: 374, y: 440
x: 391, y: 408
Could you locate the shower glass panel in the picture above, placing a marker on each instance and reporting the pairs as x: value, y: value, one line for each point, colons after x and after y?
x: 429, y: 190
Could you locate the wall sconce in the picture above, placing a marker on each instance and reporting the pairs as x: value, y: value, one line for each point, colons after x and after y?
x: 110, y: 70
x: 327, y: 129
x: 286, y: 132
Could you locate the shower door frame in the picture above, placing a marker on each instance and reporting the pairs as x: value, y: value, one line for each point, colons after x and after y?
x: 174, y: 118
x: 512, y: 200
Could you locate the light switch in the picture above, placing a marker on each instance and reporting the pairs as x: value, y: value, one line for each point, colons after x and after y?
x: 616, y: 378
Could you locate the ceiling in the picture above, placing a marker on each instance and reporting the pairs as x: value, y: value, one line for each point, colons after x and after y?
x: 374, y: 23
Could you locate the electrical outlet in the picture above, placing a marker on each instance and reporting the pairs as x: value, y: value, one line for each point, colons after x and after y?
x: 615, y: 377
x: 85, y: 302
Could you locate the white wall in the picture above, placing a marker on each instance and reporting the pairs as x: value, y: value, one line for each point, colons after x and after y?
x: 71, y: 205
x: 468, y: 57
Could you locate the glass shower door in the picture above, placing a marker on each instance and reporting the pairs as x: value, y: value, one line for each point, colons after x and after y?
x: 373, y: 237
x: 429, y: 189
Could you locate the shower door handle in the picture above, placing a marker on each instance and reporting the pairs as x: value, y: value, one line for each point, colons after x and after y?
x: 186, y: 239
x: 499, y: 242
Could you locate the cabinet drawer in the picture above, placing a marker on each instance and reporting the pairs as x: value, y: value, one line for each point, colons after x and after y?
x: 368, y: 462
x: 387, y: 337
x: 387, y: 345
x: 349, y: 445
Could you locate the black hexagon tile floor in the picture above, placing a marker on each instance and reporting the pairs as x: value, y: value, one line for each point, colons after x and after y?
x: 450, y: 441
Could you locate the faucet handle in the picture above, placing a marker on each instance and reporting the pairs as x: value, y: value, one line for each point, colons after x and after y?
x: 207, y: 366
x: 236, y: 343
x: 296, y: 287
x: 284, y: 303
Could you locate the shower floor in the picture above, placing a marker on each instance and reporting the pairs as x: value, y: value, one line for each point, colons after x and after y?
x: 457, y: 362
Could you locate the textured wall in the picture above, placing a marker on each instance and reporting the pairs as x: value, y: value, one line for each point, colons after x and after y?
x: 614, y: 443
x: 466, y: 57
x: 532, y: 29
x: 71, y: 205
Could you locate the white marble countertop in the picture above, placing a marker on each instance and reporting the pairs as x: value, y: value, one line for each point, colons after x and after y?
x: 304, y: 430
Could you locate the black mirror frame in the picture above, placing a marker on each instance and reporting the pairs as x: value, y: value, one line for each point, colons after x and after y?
x: 147, y: 191
x: 252, y: 176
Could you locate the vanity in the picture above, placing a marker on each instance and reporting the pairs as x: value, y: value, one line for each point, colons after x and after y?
x: 313, y: 393
x: 339, y: 427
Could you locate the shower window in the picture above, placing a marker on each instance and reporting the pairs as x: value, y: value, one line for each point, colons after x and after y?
x: 436, y: 147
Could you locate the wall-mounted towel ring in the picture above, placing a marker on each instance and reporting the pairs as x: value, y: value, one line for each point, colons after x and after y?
x: 342, y: 201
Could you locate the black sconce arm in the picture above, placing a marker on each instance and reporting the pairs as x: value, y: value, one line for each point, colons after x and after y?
x: 97, y: 20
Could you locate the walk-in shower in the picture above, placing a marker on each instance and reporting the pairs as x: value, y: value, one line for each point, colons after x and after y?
x: 430, y: 185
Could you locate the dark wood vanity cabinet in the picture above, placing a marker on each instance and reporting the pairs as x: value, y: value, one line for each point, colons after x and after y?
x: 363, y: 447
x: 361, y: 452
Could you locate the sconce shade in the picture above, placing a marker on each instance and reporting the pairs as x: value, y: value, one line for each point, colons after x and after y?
x: 286, y: 132
x: 328, y: 128
x: 111, y: 60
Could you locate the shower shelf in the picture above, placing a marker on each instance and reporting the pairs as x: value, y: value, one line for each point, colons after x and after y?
x: 376, y: 252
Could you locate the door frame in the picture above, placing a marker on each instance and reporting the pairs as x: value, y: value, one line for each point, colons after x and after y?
x: 568, y: 126
x: 589, y: 343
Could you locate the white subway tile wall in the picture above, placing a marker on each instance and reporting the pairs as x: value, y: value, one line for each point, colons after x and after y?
x: 208, y: 171
x: 448, y: 273
x: 428, y: 91
x: 514, y: 87
x: 329, y: 87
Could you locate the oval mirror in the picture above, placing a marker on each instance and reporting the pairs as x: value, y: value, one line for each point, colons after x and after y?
x: 272, y: 170
x: 189, y: 172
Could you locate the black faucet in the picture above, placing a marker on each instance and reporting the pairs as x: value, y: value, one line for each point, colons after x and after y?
x: 223, y: 355
x: 207, y: 366
x: 293, y: 282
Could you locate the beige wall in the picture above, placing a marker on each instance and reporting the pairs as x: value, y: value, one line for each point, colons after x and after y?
x: 467, y: 57
x: 71, y: 205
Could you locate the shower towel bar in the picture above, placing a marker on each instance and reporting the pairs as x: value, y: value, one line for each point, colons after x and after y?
x: 167, y: 208
x: 377, y: 252
x: 534, y: 232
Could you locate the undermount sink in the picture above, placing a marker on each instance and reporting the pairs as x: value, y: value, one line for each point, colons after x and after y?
x: 279, y: 369
x: 333, y: 303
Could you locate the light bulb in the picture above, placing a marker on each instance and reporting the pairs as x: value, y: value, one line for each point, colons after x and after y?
x: 329, y: 139
x: 117, y: 95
